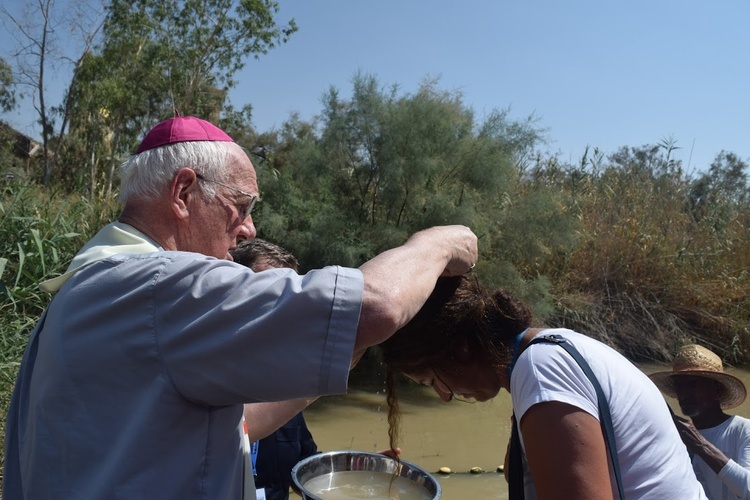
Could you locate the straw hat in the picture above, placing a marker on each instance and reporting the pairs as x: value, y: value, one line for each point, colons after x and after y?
x: 697, y: 361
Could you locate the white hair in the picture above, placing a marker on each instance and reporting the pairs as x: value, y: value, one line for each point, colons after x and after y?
x: 147, y: 174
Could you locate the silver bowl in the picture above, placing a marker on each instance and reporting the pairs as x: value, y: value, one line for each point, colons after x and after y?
x: 333, y: 462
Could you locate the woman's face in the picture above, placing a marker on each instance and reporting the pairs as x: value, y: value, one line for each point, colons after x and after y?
x: 467, y: 380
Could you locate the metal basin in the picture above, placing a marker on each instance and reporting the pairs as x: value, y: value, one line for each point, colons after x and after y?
x: 334, y: 462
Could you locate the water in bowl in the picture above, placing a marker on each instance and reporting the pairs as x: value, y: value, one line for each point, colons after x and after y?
x: 349, y: 485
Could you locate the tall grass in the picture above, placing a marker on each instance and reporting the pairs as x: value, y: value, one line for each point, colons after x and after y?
x: 40, y: 232
x: 648, y: 274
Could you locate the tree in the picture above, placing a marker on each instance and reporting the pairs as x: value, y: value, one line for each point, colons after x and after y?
x: 183, y: 54
x: 383, y: 164
x: 7, y: 103
x: 39, y: 53
x: 35, y: 36
x: 7, y: 94
x: 723, y: 187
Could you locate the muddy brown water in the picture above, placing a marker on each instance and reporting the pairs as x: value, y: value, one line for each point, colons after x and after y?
x: 435, y: 434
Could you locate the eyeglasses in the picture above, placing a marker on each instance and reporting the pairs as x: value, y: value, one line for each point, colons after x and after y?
x: 248, y: 209
x: 453, y: 394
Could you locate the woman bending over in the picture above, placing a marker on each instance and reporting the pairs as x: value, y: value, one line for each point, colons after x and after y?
x: 470, y: 342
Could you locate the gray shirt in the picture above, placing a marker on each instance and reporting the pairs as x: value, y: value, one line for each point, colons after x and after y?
x: 134, y: 386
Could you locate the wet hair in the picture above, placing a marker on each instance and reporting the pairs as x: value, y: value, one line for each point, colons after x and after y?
x: 147, y: 174
x: 460, y: 317
x: 257, y: 251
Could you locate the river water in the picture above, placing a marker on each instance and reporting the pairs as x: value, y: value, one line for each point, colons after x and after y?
x: 435, y: 434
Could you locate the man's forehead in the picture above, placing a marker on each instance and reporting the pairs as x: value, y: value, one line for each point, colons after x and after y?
x: 242, y: 172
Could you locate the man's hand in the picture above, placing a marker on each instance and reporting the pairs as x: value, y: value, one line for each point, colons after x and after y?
x: 459, y: 241
x: 689, y: 434
x: 399, y: 281
x: 699, y: 445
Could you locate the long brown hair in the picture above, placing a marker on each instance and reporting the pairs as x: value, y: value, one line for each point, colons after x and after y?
x: 459, y: 316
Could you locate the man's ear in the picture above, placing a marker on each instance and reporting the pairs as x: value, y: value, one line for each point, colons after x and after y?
x: 183, y: 190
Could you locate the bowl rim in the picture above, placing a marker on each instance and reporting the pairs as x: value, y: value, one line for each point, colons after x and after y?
x: 321, y: 455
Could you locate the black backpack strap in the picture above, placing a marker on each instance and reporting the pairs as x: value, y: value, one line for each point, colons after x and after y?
x: 515, y: 463
x: 605, y: 418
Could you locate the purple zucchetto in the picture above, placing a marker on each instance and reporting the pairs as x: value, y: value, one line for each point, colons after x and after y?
x: 182, y: 129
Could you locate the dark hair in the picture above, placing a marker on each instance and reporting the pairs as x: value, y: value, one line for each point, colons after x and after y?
x: 257, y: 251
x: 459, y: 316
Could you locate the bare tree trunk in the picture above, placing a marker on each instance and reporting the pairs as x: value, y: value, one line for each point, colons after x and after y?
x: 44, y: 8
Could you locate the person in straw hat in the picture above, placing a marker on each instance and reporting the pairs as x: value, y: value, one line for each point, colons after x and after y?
x: 718, y: 442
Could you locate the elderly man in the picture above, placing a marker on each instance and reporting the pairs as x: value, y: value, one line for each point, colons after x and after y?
x: 133, y: 382
x: 719, y: 443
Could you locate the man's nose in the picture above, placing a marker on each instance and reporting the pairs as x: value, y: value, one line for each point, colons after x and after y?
x: 445, y: 396
x: 247, y: 230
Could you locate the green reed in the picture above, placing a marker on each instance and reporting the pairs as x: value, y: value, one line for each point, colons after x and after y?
x: 40, y: 232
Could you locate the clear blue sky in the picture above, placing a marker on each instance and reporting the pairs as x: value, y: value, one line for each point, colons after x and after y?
x: 599, y: 73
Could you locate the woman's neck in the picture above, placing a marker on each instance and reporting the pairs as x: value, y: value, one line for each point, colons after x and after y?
x: 518, y: 345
